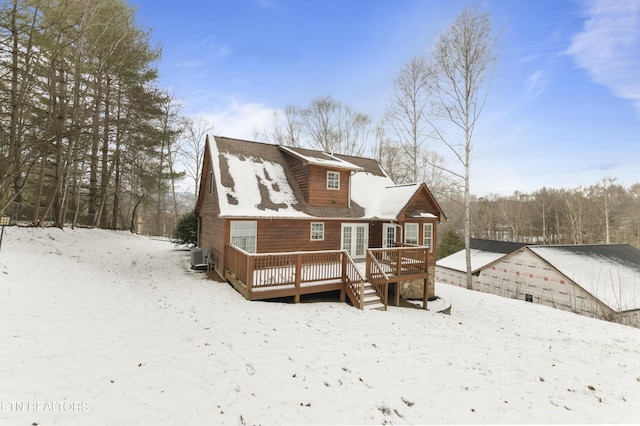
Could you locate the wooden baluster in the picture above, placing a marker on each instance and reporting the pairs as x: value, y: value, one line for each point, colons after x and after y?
x: 298, y: 277
x: 249, y: 274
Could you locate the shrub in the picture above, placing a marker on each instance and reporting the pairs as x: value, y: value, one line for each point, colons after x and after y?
x: 186, y: 231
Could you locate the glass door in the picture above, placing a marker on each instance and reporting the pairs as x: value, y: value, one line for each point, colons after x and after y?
x: 355, y: 239
x: 388, y: 235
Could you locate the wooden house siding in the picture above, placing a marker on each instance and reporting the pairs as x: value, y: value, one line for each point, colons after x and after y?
x: 421, y: 203
x: 214, y: 226
x: 300, y: 173
x: 278, y: 236
x: 319, y: 195
x: 210, y: 225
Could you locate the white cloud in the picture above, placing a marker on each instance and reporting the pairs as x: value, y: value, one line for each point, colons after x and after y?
x: 608, y: 46
x: 240, y: 120
x: 536, y: 83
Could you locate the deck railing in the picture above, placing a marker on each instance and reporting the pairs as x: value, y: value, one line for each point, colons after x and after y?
x: 377, y: 277
x: 353, y: 280
x: 291, y: 270
x: 265, y: 270
x: 401, y: 260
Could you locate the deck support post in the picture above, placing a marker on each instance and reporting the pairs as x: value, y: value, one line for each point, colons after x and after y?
x: 296, y: 298
x: 425, y: 295
x: 398, y: 286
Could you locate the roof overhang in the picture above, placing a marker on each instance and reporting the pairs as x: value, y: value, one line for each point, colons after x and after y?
x: 327, y: 160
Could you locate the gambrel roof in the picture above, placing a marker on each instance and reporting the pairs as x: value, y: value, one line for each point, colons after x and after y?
x: 254, y: 179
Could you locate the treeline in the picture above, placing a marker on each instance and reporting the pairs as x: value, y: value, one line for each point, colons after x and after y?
x: 603, y: 213
x: 86, y: 134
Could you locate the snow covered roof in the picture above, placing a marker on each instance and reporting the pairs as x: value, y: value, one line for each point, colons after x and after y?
x: 483, y: 253
x: 379, y: 196
x: 255, y: 180
x: 320, y: 158
x: 251, y: 182
x: 479, y: 259
x: 610, y: 272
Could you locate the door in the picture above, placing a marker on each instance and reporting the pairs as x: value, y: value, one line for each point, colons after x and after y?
x: 355, y: 239
x: 388, y: 235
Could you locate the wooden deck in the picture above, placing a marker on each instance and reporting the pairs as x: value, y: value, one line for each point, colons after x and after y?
x: 273, y: 275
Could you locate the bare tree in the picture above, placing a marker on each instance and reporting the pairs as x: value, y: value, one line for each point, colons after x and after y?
x: 407, y: 111
x: 192, y: 150
x: 607, y: 196
x: 329, y: 125
x: 287, y: 130
x: 575, y: 201
x: 461, y: 59
x: 389, y: 154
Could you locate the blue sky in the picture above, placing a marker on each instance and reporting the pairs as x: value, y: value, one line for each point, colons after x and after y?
x: 564, y: 102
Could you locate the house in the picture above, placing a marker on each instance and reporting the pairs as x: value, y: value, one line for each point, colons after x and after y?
x: 284, y: 221
x: 596, y: 280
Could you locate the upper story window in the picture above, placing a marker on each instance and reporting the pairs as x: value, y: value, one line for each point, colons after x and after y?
x: 210, y: 182
x: 333, y: 180
x: 427, y: 239
x: 411, y: 233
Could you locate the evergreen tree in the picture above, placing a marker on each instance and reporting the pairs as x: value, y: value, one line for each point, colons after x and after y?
x: 186, y: 231
x: 451, y: 243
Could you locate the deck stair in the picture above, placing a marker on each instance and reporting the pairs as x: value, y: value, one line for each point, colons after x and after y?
x: 371, y: 301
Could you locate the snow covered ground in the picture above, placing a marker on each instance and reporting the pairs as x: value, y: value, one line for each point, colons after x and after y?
x: 109, y: 328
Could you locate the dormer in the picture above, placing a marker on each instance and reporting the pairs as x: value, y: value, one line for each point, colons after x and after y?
x: 325, y: 180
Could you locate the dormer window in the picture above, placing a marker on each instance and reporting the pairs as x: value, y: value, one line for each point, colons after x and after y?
x: 333, y: 180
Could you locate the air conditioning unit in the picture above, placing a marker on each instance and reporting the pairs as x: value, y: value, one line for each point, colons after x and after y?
x: 199, y: 258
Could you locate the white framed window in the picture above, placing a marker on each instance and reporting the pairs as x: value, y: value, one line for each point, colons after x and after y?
x: 411, y: 233
x: 317, y: 231
x: 333, y: 180
x: 244, y: 234
x: 427, y: 235
x: 211, y: 182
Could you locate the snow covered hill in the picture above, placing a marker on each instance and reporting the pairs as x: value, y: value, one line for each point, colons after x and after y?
x: 109, y: 328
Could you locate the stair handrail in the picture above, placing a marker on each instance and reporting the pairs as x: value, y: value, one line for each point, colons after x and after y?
x: 377, y: 266
x: 372, y: 263
x: 357, y: 297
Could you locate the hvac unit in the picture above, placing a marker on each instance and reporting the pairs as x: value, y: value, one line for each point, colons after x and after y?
x: 199, y: 258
